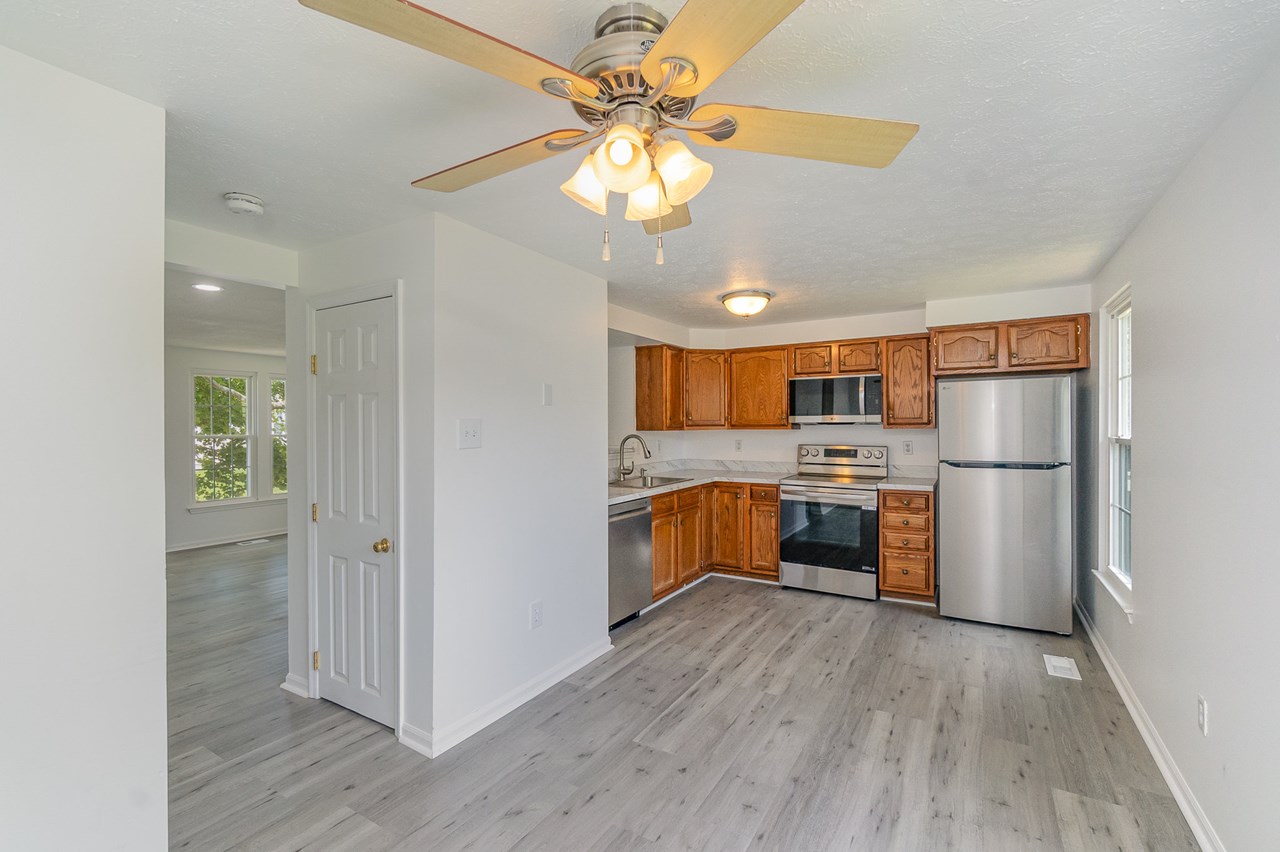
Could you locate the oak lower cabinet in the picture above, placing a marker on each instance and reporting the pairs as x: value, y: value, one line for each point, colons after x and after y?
x: 728, y: 522
x: 705, y: 387
x: 762, y: 531
x: 1016, y: 346
x: 677, y: 540
x: 758, y: 397
x: 659, y: 388
x: 907, y: 384
x: 906, y: 545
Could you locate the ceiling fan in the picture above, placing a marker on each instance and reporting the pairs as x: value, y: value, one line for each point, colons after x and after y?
x: 636, y: 84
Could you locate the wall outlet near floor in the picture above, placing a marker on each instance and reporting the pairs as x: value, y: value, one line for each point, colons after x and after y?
x: 535, y: 615
x: 908, y: 447
x: 737, y: 445
x: 1202, y: 714
x: 469, y: 433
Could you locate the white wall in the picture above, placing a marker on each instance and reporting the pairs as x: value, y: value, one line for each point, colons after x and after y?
x: 1204, y: 266
x: 402, y: 251
x: 523, y: 518
x: 214, y: 253
x: 186, y: 527
x: 1047, y: 302
x: 753, y: 333
x: 82, y: 723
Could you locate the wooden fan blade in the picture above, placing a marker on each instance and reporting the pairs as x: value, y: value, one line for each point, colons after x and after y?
x: 491, y: 165
x: 443, y: 36
x: 834, y: 138
x: 677, y: 218
x: 712, y: 34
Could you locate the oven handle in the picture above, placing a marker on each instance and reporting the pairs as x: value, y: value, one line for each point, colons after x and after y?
x: 829, y: 497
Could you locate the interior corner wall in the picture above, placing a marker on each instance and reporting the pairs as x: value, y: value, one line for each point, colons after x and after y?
x: 228, y: 256
x: 231, y: 522
x: 403, y: 251
x: 82, y: 728
x: 1203, y: 265
x: 522, y: 518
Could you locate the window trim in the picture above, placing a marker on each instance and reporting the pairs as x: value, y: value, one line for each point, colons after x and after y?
x: 259, y: 418
x: 1120, y: 586
x: 271, y: 475
x: 250, y: 434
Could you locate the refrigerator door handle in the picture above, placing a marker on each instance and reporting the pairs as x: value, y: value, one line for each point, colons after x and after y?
x: 1007, y: 465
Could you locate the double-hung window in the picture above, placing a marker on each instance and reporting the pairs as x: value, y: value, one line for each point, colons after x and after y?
x: 222, y: 434
x: 279, y: 439
x: 1120, y: 436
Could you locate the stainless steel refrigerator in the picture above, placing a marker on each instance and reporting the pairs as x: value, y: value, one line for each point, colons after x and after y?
x: 1005, y: 507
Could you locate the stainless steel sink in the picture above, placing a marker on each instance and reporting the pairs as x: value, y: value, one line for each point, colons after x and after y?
x: 647, y: 481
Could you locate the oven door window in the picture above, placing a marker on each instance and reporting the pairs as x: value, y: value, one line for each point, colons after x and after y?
x: 828, y: 535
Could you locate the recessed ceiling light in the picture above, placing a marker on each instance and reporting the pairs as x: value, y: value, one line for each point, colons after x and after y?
x: 208, y: 288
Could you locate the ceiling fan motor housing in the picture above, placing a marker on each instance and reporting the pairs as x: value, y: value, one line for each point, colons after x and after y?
x: 624, y: 35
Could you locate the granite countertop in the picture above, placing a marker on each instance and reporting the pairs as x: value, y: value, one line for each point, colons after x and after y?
x: 909, y: 483
x: 902, y: 479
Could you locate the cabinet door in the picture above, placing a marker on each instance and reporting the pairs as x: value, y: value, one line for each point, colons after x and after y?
x: 704, y: 376
x: 727, y: 505
x: 968, y: 349
x: 664, y: 556
x: 906, y: 572
x: 688, y: 545
x: 762, y: 537
x: 908, y: 388
x: 659, y: 388
x: 812, y: 359
x: 859, y: 356
x: 758, y: 389
x: 1051, y: 343
x: 707, y: 522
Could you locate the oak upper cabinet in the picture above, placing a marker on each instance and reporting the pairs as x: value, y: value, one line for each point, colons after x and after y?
x: 1053, y: 343
x: 758, y: 389
x: 762, y: 530
x: 967, y: 349
x: 1016, y: 346
x: 858, y: 356
x: 659, y: 388
x: 728, y: 508
x: 907, y: 385
x: 705, y: 383
x: 812, y: 359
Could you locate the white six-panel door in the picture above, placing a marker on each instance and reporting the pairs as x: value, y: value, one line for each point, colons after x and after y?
x: 355, y: 492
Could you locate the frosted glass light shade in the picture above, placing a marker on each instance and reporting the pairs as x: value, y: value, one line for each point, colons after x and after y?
x: 649, y: 201
x: 746, y: 303
x: 683, y: 174
x: 586, y: 189
x: 621, y: 163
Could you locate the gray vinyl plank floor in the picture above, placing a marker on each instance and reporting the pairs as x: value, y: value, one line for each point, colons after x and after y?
x: 737, y: 716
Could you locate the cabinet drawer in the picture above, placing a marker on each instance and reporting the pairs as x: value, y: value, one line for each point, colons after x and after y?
x: 687, y: 499
x: 905, y: 572
x: 894, y: 540
x: 895, y: 522
x: 906, y: 501
x: 764, y: 494
x: 664, y: 504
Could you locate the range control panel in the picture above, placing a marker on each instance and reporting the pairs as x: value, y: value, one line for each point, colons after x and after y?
x: 843, y: 460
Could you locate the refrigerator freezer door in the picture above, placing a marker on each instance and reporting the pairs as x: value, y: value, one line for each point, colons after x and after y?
x: 1004, y: 546
x: 1005, y: 420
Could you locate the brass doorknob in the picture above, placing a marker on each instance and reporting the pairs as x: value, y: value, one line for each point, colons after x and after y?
x: 383, y: 546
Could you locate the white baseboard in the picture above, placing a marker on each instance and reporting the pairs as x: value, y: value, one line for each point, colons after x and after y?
x: 416, y: 739
x: 297, y: 685
x: 443, y: 739
x: 228, y: 539
x: 1195, y: 816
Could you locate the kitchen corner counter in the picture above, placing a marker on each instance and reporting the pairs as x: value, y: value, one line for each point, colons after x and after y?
x: 909, y: 483
x: 696, y: 478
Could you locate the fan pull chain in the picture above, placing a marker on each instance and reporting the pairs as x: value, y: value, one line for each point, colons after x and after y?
x: 659, y: 259
x: 605, y: 253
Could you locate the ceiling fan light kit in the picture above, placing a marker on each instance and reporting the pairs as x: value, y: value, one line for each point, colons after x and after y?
x: 639, y: 76
x: 746, y: 303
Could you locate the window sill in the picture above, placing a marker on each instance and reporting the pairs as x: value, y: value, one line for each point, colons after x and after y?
x: 1116, y: 587
x: 223, y: 505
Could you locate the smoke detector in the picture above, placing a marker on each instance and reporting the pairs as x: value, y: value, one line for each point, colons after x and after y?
x: 241, y: 202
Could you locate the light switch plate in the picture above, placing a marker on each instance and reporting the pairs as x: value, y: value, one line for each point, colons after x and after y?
x: 469, y: 433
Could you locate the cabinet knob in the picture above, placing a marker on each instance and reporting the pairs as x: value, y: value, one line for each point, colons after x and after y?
x: 905, y: 571
x: 1013, y: 354
x: 904, y: 542
x: 906, y: 523
x: 992, y: 357
x: 905, y: 502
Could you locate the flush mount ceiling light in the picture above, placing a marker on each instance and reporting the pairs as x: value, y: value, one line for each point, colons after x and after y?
x: 746, y: 303
x: 636, y: 84
x: 208, y: 288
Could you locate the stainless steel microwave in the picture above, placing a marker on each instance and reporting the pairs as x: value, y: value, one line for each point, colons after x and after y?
x: 838, y: 399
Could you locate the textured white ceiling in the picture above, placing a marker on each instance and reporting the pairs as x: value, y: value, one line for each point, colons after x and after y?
x: 239, y: 318
x: 1048, y: 127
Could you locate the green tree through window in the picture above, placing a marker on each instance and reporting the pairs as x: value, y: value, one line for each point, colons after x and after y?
x: 279, y: 440
x: 222, y: 437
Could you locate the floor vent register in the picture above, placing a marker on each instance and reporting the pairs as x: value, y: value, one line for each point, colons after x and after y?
x: 1061, y: 667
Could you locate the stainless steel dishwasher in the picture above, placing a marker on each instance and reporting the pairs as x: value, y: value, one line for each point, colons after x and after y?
x: 630, y: 558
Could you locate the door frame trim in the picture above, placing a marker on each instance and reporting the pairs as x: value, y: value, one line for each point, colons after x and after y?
x: 393, y: 289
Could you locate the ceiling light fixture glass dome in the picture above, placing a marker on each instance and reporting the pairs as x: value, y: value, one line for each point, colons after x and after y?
x: 683, y: 174
x: 621, y: 163
x: 746, y: 303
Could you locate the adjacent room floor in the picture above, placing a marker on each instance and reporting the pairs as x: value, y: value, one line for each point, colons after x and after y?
x: 737, y: 716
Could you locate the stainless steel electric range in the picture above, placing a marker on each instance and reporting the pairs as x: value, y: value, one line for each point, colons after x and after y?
x: 829, y: 530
